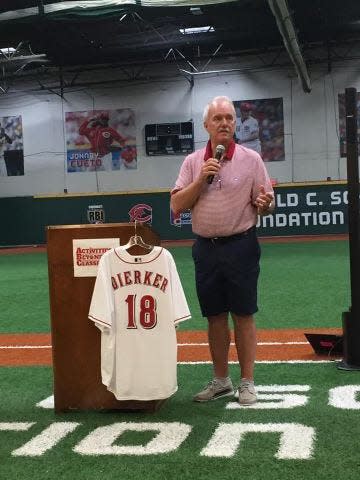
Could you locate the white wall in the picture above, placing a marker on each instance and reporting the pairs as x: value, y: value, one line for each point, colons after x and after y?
x: 311, y: 125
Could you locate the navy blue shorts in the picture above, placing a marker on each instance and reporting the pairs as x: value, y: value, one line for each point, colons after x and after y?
x: 226, y: 273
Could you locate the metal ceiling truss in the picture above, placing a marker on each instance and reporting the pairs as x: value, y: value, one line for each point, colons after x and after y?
x: 14, y: 61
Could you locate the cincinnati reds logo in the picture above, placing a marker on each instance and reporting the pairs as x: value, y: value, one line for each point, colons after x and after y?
x: 105, y: 134
x: 141, y: 213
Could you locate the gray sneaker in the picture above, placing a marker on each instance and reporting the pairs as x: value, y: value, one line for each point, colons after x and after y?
x: 214, y: 390
x: 247, y: 394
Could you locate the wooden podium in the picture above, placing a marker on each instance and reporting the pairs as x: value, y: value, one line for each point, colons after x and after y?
x: 75, y: 339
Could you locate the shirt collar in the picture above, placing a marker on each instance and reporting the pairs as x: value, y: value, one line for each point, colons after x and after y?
x: 228, y: 154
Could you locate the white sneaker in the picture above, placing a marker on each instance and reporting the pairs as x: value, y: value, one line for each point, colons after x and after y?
x: 247, y: 394
x: 214, y: 390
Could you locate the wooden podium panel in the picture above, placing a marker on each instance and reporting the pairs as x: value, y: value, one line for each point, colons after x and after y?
x: 75, y: 339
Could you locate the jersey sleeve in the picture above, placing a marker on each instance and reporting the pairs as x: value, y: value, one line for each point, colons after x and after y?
x: 181, y: 310
x: 102, y: 309
x: 84, y: 128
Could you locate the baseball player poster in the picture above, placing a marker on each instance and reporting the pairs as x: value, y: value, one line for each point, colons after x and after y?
x: 342, y: 122
x: 11, y: 146
x: 260, y: 126
x: 101, y: 140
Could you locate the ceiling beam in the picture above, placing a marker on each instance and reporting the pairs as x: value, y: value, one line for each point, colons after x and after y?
x: 286, y: 28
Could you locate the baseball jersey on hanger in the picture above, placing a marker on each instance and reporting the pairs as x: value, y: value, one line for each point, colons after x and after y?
x: 136, y: 303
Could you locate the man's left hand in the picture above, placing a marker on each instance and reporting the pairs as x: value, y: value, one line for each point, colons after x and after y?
x: 264, y: 201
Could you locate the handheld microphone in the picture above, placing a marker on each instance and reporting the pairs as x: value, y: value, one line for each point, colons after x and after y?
x: 220, y: 149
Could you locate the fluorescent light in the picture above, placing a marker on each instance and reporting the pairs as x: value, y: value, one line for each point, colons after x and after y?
x: 196, y: 10
x: 190, y: 31
x: 7, y: 50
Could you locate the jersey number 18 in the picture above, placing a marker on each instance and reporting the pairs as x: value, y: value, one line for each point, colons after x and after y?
x: 144, y: 311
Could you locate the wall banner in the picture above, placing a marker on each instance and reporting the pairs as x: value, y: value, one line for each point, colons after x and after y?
x: 303, y: 210
x: 307, y: 210
x: 101, y: 140
x: 260, y: 126
x: 11, y: 147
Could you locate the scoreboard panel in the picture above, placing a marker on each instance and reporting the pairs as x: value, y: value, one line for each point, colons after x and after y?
x: 169, y: 138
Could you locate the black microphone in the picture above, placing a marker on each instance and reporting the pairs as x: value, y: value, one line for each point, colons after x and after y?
x: 220, y: 149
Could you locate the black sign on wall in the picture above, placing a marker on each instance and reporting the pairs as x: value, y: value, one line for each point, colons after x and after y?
x: 169, y: 138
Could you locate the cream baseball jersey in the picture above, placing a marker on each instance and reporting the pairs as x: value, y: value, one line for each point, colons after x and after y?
x: 136, y: 303
x: 244, y: 129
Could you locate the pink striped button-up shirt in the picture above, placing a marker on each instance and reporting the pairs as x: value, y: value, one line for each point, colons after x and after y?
x: 225, y: 207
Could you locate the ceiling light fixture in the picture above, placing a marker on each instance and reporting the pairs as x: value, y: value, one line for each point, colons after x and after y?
x: 7, y: 50
x: 196, y: 10
x: 195, y: 30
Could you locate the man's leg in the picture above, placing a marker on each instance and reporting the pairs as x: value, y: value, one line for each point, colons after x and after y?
x: 219, y: 343
x: 245, y: 340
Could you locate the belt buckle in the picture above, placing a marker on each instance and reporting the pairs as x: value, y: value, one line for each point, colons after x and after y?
x: 214, y: 240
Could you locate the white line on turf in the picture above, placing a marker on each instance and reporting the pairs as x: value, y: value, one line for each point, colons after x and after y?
x: 208, y: 362
x: 5, y: 347
x: 232, y: 343
x: 204, y: 344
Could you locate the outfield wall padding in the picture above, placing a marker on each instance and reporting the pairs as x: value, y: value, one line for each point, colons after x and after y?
x: 302, y: 209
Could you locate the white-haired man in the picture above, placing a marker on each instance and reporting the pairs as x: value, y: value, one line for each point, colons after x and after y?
x: 225, y: 197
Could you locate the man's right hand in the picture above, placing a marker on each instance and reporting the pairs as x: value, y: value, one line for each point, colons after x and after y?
x: 210, y: 167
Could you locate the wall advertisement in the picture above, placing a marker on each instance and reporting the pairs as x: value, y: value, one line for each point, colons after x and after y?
x: 300, y: 210
x: 11, y: 146
x: 305, y: 209
x: 101, y: 140
x: 260, y: 126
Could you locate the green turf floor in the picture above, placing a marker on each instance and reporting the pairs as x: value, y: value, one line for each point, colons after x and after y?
x: 302, y: 285
x: 24, y: 293
x: 327, y: 410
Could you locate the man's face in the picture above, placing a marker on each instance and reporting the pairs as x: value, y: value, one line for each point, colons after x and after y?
x: 220, y: 123
x: 245, y: 114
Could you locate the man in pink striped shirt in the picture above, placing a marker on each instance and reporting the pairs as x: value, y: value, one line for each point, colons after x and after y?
x: 225, y: 197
